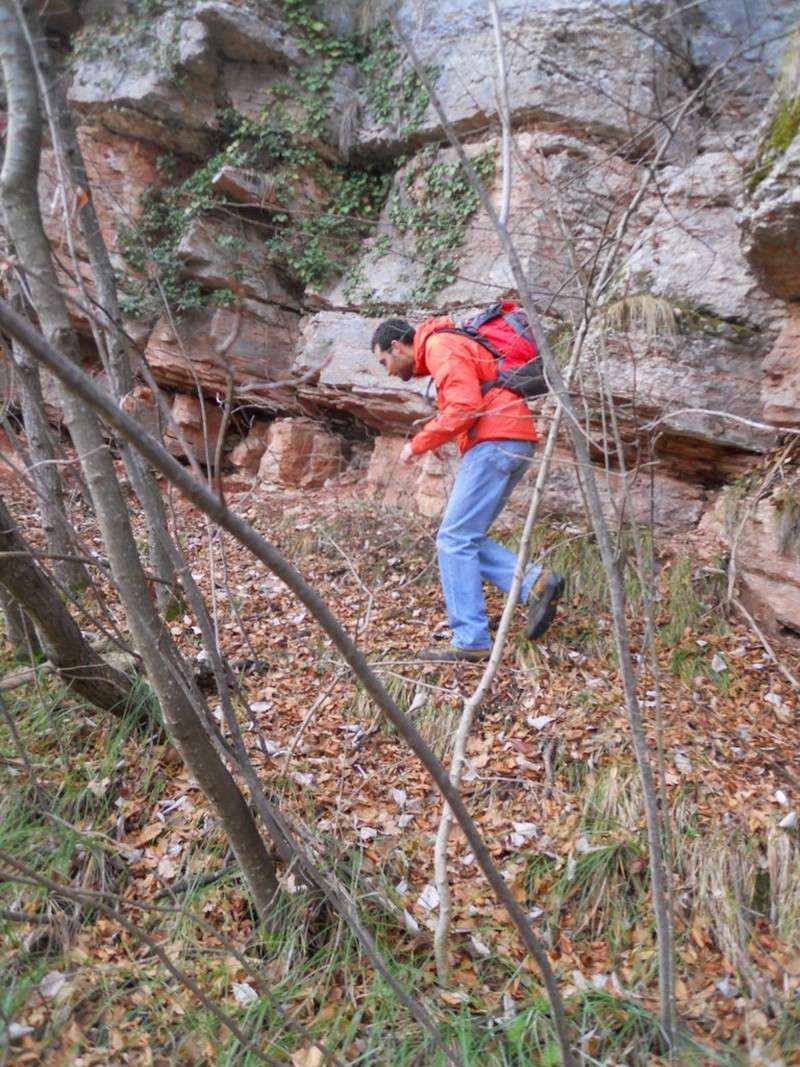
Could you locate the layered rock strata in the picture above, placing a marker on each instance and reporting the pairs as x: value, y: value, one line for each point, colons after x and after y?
x: 692, y: 339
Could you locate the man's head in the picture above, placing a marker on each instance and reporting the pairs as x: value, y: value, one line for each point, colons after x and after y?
x: 393, y: 347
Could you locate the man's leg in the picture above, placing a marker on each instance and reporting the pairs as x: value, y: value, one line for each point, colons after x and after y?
x: 487, y: 475
x: 498, y: 563
x: 497, y: 566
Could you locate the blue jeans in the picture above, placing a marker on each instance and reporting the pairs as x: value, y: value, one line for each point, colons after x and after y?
x: 487, y: 475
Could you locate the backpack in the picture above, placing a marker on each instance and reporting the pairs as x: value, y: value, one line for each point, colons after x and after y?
x: 503, y: 329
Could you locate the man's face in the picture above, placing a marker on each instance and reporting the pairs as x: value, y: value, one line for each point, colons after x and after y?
x: 398, y: 361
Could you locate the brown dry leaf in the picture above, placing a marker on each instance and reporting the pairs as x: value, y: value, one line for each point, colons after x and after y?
x: 149, y: 833
x: 166, y: 868
x: 307, y: 1057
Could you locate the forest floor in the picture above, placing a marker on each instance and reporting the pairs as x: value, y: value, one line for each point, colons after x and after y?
x: 550, y: 780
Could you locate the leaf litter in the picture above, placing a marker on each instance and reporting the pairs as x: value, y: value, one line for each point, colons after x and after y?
x: 550, y: 782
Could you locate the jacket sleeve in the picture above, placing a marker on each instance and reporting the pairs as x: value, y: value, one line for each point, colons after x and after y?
x: 458, y: 395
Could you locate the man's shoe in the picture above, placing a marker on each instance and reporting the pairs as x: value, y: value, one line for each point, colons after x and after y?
x: 543, y: 598
x: 454, y: 654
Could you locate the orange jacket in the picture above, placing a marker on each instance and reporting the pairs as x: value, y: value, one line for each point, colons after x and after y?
x: 459, y: 366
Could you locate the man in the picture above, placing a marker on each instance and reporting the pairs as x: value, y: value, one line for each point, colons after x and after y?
x: 497, y: 436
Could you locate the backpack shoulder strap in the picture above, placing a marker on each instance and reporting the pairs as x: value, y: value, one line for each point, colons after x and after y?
x: 477, y: 338
x: 484, y: 343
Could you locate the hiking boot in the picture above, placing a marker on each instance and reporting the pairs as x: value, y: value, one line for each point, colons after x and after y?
x: 454, y: 654
x: 543, y: 599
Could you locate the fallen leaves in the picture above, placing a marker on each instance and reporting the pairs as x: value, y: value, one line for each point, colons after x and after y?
x: 349, y: 777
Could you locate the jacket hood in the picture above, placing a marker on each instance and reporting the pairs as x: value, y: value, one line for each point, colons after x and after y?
x: 421, y: 335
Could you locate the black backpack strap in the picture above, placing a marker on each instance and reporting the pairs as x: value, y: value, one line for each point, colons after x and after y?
x: 518, y: 321
x: 492, y: 312
x: 483, y: 342
x: 472, y: 337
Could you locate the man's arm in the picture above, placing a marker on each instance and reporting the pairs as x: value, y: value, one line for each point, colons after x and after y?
x: 458, y: 392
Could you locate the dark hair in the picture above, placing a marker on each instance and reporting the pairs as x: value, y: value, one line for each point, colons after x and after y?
x: 392, y: 330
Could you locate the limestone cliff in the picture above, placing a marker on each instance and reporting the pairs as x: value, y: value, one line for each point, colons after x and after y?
x: 274, y: 170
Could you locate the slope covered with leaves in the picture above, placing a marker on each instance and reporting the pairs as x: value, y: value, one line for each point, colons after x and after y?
x: 550, y: 779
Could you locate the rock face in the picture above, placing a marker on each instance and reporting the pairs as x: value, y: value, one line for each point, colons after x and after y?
x: 687, y: 387
x: 120, y: 170
x: 688, y: 253
x: 228, y: 253
x: 299, y: 453
x: 571, y: 64
x: 766, y: 558
x: 61, y: 16
x: 781, y: 384
x: 253, y: 344
x: 426, y: 483
x: 246, y: 456
x: 343, y: 374
x: 195, y: 428
x: 671, y: 504
x: 248, y: 33
x: 668, y: 502
x: 690, y: 333
x: 771, y: 212
x: 688, y: 402
x: 141, y: 405
x: 771, y: 224
x: 127, y: 78
x: 561, y: 187
x: 259, y: 190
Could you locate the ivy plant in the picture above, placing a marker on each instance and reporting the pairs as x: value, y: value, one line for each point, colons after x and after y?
x: 396, y: 94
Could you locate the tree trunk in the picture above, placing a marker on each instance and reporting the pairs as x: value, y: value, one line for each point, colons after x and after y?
x: 63, y: 643
x: 41, y: 463
x: 181, y: 704
x: 19, y: 629
x: 112, y: 344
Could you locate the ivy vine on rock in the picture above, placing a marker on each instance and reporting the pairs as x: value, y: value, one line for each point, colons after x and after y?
x: 286, y: 141
x: 144, y: 38
x: 313, y: 244
x: 435, y: 207
x: 397, y: 97
x: 432, y: 204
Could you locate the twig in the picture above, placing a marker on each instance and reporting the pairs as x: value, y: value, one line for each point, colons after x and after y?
x: 197, y: 881
x: 24, y: 676
x: 21, y: 917
x: 503, y: 108
x: 306, y: 720
x: 186, y: 980
x: 548, y: 756
x: 751, y: 622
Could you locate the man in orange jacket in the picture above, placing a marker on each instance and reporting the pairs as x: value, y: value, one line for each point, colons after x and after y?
x: 496, y: 435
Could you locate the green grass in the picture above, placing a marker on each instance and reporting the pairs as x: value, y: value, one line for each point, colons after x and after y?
x: 605, y: 886
x: 780, y: 133
x: 692, y: 601
x: 583, y: 622
x: 75, y: 752
x: 434, y: 712
x: 687, y: 605
x: 326, y: 983
x: 613, y: 801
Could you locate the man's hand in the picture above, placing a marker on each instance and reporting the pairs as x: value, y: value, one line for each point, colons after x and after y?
x: 407, y: 456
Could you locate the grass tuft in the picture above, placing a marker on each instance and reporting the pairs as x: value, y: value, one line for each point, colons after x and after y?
x: 614, y: 801
x: 721, y: 872
x: 605, y: 885
x: 783, y: 864
x: 641, y: 313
